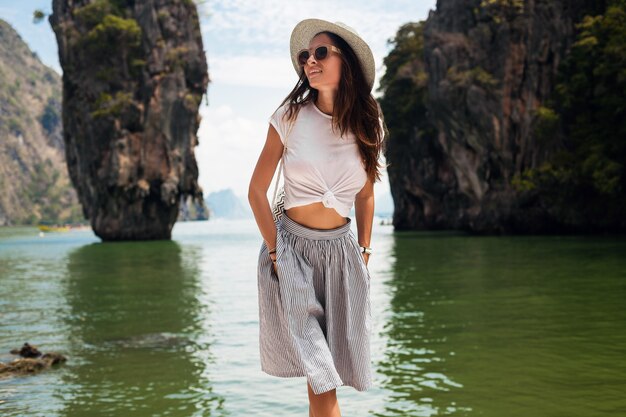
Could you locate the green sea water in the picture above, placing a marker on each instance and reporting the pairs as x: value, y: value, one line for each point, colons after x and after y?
x: 462, y: 326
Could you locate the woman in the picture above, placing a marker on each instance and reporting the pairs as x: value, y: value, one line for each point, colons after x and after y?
x: 314, y: 305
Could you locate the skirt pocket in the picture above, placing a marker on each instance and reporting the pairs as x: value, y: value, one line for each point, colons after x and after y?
x: 359, y: 255
x: 266, y: 266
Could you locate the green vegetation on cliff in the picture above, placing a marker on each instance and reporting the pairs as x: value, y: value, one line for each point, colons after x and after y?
x: 404, y: 87
x: 105, y: 29
x: 34, y: 181
x: 509, y: 117
x: 405, y: 95
x: 586, y: 176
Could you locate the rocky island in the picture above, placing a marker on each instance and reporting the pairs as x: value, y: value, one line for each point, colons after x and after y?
x: 134, y: 74
x: 506, y: 116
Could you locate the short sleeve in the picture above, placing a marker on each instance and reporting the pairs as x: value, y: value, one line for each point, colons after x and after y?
x: 278, y: 121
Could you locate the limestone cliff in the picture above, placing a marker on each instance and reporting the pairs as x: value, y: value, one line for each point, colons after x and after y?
x: 479, y: 73
x: 34, y: 182
x: 134, y: 74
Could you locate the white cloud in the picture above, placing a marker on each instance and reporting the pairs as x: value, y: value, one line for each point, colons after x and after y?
x: 8, y: 13
x: 228, y: 148
x: 257, y: 71
x: 270, y: 21
x: 241, y: 28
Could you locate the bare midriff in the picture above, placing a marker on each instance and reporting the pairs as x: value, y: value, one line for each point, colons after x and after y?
x: 316, y: 216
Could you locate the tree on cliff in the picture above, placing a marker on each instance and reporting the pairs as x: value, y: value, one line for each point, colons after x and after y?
x: 404, y: 88
x: 586, y: 179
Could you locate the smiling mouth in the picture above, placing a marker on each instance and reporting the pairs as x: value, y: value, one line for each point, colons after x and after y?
x: 314, y: 73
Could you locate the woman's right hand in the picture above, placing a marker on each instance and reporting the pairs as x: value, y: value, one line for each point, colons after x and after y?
x: 273, y: 258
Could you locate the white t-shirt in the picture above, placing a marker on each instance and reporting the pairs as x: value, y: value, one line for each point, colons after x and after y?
x: 319, y: 165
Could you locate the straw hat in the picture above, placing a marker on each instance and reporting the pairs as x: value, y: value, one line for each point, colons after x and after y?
x: 308, y: 28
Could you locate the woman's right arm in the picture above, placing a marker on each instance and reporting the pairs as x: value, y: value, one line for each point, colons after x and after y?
x: 259, y: 184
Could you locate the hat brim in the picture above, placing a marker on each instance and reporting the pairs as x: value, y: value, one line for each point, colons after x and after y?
x: 308, y: 28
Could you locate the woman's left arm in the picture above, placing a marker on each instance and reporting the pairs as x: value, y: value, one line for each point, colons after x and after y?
x: 364, y: 212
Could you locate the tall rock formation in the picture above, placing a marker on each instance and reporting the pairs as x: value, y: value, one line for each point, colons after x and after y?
x: 34, y: 182
x: 482, y: 73
x: 134, y: 74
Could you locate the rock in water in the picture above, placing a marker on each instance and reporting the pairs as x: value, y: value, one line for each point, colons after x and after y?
x: 483, y: 70
x: 27, y: 351
x: 134, y: 74
x: 30, y: 362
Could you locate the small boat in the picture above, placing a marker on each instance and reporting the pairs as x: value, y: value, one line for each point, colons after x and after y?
x: 52, y: 228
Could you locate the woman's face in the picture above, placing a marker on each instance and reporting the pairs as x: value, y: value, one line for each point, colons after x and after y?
x: 324, y: 74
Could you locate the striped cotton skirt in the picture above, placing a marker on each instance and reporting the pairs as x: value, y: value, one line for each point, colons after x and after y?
x: 314, y: 314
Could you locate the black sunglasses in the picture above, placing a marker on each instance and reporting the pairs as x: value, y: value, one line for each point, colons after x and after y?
x: 320, y: 53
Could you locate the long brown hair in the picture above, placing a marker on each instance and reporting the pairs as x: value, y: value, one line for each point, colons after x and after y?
x: 355, y: 109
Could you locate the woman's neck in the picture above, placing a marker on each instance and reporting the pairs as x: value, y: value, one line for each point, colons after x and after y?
x: 326, y: 101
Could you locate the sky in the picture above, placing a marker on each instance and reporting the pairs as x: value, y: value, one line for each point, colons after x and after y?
x: 247, y: 48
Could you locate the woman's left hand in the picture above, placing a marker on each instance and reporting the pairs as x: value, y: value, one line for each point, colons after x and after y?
x: 366, y: 257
